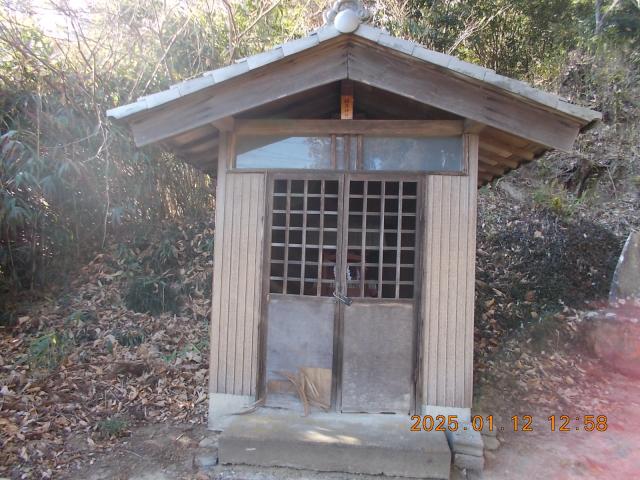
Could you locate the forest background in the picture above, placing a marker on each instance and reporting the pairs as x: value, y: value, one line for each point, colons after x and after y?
x: 71, y: 182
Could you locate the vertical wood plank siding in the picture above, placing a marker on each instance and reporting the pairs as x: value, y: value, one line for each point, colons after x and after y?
x: 448, y: 282
x: 236, y: 281
x: 448, y: 272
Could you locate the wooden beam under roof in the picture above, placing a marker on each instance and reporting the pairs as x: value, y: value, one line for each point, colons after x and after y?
x: 495, y: 150
x: 224, y: 124
x: 504, y: 149
x: 389, y: 128
x: 483, y: 167
x: 500, y: 162
x: 191, y: 136
x: 206, y: 145
x: 485, y: 176
x: 175, y: 143
x: 511, y: 161
x: 506, y: 138
x: 490, y: 161
x: 471, y: 126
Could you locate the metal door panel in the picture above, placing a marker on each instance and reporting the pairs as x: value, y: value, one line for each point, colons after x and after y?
x: 377, y: 357
x: 300, y: 335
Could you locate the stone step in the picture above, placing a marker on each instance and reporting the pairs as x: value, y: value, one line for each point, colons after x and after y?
x: 331, y: 442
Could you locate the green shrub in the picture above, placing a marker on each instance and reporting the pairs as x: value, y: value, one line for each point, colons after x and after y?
x: 112, y: 427
x: 555, y: 200
x: 165, y: 254
x: 151, y: 294
x: 49, y: 350
x: 81, y: 324
x: 129, y: 338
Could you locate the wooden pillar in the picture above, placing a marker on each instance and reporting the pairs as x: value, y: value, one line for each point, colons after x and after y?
x: 237, y: 293
x: 223, y: 149
x: 448, y: 286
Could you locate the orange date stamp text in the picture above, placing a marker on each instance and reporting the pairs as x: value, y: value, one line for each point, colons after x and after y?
x: 518, y: 423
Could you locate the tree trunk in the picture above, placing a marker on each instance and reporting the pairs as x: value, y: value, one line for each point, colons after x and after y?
x: 598, y: 17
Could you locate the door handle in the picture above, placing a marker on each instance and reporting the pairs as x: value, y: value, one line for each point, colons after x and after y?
x: 342, y: 298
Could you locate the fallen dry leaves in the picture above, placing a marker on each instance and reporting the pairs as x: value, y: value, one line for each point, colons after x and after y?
x: 519, y: 375
x: 117, y: 368
x: 107, y: 369
x: 537, y: 273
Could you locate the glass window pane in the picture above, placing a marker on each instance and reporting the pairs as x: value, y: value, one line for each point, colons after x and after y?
x: 263, y: 152
x: 442, y: 154
x: 340, y: 153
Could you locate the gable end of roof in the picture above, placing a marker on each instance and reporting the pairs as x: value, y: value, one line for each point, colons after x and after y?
x: 583, y: 115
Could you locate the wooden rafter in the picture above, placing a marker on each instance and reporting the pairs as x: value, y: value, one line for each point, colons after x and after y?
x: 208, y: 137
x: 505, y: 150
x: 507, y: 164
x: 483, y: 167
x: 485, y: 176
x: 195, y: 135
x: 202, y: 147
x: 492, y: 149
x: 434, y: 128
x: 489, y: 161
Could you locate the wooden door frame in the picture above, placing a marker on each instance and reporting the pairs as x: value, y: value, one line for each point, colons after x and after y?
x: 342, y: 234
x: 271, y: 176
x: 417, y: 295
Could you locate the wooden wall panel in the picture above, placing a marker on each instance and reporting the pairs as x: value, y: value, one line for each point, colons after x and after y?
x: 448, y: 281
x: 448, y: 285
x: 237, y: 282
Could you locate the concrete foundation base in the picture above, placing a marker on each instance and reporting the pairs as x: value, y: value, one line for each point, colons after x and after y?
x: 351, y: 443
x: 467, y: 448
x: 462, y: 414
x: 223, y: 408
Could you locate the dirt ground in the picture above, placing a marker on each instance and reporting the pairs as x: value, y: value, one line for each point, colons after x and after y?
x: 613, y: 454
x: 152, y: 452
x: 190, y: 452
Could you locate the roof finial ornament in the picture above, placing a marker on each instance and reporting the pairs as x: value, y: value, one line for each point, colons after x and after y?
x: 346, y: 15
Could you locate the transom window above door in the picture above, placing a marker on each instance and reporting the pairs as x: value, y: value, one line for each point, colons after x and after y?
x: 439, y: 150
x: 276, y: 152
